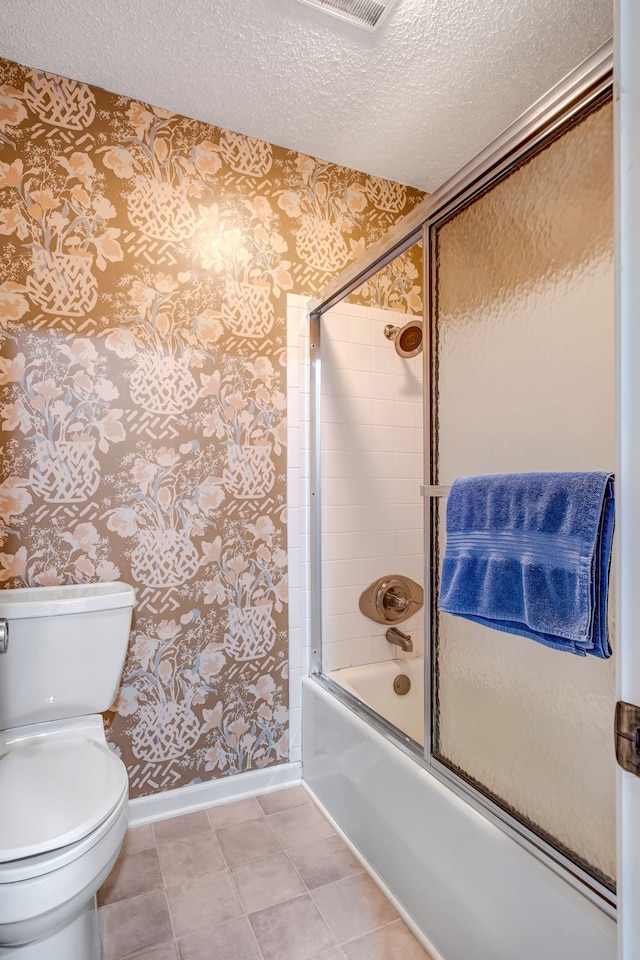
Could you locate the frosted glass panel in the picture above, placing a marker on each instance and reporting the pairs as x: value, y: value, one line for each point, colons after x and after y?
x: 524, y: 381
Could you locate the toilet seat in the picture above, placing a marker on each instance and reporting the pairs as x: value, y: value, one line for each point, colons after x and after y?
x: 36, y: 868
x: 54, y: 793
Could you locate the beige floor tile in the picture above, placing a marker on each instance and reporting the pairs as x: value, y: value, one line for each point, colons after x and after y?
x: 262, y: 883
x: 167, y: 951
x: 324, y: 861
x: 135, y: 925
x: 132, y: 875
x: 138, y: 838
x: 283, y: 799
x: 293, y: 930
x: 388, y: 943
x: 230, y: 814
x: 198, y: 904
x: 353, y: 906
x: 190, y: 857
x: 233, y: 940
x: 300, y: 825
x: 178, y: 827
x: 219, y: 865
x: 247, y: 841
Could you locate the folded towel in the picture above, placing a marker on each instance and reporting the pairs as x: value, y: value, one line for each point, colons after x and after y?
x: 530, y: 554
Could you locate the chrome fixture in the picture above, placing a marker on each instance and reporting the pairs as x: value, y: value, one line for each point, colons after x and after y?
x: 391, y: 599
x: 400, y: 639
x: 4, y: 636
x: 407, y: 340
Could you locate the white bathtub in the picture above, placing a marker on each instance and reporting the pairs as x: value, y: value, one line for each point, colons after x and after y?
x: 373, y: 684
x: 471, y: 889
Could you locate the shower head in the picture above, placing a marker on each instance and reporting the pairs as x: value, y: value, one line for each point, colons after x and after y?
x: 407, y: 340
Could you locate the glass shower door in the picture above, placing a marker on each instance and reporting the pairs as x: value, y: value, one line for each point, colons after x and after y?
x: 371, y: 429
x: 523, y: 379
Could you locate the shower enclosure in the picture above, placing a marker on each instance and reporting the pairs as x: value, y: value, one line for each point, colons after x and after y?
x: 371, y: 470
x: 516, y: 374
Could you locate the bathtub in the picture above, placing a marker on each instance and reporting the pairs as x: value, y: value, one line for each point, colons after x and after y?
x: 373, y: 684
x: 466, y: 885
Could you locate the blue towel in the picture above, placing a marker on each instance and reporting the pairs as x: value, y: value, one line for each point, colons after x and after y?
x: 529, y: 553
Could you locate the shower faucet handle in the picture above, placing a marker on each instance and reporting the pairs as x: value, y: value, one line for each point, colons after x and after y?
x: 391, y: 599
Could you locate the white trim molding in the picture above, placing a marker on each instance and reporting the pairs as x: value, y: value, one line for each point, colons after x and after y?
x: 199, y: 796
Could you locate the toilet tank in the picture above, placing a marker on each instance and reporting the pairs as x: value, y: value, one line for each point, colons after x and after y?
x: 65, y: 652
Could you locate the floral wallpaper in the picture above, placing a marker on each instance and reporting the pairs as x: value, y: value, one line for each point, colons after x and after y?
x: 144, y: 261
x: 398, y: 287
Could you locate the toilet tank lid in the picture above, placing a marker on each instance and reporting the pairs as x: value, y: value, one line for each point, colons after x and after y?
x: 54, y: 793
x: 32, y: 602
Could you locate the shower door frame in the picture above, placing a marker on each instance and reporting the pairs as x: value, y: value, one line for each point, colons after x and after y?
x: 591, y: 82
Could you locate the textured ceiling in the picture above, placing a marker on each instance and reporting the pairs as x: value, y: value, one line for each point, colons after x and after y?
x: 412, y: 102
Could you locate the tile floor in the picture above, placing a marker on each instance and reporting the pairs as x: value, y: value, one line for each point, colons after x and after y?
x: 260, y: 879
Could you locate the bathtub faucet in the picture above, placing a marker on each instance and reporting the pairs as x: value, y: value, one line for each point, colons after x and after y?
x: 402, y: 640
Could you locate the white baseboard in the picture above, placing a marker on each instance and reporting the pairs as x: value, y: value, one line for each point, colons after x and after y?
x: 198, y: 796
x: 410, y: 922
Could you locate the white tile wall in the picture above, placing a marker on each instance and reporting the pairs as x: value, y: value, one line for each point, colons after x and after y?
x: 372, y: 471
x: 371, y: 476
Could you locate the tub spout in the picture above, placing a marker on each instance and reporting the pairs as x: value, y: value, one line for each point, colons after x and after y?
x: 400, y: 639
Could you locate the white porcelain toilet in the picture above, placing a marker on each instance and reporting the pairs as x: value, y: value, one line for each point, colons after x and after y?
x: 63, y: 792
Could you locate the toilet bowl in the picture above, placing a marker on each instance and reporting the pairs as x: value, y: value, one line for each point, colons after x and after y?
x: 63, y: 791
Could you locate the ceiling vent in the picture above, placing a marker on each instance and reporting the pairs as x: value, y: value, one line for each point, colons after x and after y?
x: 364, y: 13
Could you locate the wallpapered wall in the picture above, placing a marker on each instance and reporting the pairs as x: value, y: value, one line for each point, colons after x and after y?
x: 145, y: 259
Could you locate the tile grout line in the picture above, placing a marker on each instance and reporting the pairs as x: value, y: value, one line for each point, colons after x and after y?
x: 245, y: 914
x: 402, y: 912
x: 225, y: 869
x: 325, y: 921
x: 246, y: 917
x: 282, y: 851
x: 240, y: 900
x: 368, y: 933
x: 166, y: 886
x: 229, y: 869
x: 140, y: 953
x: 173, y: 929
x: 166, y: 897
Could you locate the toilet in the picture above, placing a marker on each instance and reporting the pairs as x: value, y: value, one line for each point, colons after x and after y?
x: 63, y: 792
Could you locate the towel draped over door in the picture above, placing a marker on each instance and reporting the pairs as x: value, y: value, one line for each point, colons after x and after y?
x: 530, y: 554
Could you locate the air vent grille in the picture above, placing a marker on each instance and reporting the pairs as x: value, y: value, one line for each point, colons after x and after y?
x: 365, y: 13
